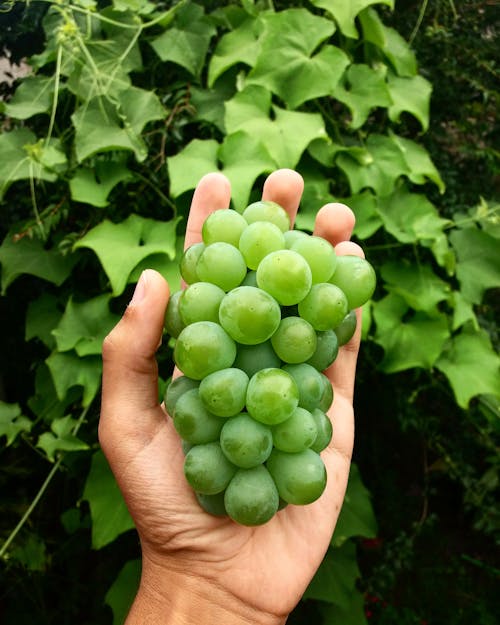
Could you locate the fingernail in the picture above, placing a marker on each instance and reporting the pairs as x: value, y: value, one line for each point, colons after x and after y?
x: 140, y: 290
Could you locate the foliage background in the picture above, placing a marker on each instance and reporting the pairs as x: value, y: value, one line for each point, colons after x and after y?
x: 131, y: 102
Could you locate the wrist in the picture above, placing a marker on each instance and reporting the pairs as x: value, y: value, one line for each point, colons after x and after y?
x: 171, y: 597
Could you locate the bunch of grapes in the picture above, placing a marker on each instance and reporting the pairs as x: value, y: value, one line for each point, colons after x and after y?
x: 264, y: 313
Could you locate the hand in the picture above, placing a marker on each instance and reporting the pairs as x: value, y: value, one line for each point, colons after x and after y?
x: 198, y: 568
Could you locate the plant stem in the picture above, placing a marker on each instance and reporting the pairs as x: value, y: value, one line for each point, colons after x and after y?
x: 423, y: 8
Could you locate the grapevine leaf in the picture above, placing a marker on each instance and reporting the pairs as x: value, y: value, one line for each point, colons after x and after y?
x: 92, y: 185
x: 363, y: 88
x: 12, y: 422
x: 353, y: 614
x: 28, y: 256
x: 123, y: 590
x: 368, y: 219
x: 185, y: 169
x: 34, y: 95
x: 463, y: 311
x: 61, y: 438
x: 209, y: 103
x: 32, y: 553
x: 120, y: 247
x: 316, y: 193
x: 471, y: 366
x: 411, y: 95
x: 356, y: 515
x: 110, y: 516
x: 407, y: 343
x: 186, y: 43
x: 42, y: 317
x: 335, y: 579
x: 478, y: 266
x: 140, y: 107
x: 83, y: 326
x: 372, y: 27
x: 292, y: 71
x: 69, y: 370
x: 45, y: 403
x: 345, y: 11
x: 420, y: 165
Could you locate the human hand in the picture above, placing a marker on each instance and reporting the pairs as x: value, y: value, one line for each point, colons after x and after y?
x: 196, y: 567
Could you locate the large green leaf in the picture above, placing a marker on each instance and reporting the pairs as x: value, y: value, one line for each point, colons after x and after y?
x: 110, y: 516
x: 471, y: 366
x: 34, y: 95
x: 123, y: 590
x: 42, y: 317
x: 12, y: 422
x: 345, y: 12
x: 420, y: 166
x: 195, y: 160
x: 478, y: 266
x: 293, y: 71
x: 61, y: 438
x: 120, y: 247
x: 92, y: 185
x: 45, y: 403
x: 69, y: 370
x: 411, y: 95
x: 365, y: 207
x: 352, y: 614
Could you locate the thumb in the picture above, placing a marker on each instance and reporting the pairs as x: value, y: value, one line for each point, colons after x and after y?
x: 130, y: 412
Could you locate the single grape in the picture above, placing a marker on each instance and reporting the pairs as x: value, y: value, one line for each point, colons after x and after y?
x: 246, y: 442
x: 272, y: 396
x: 223, y: 225
x: 200, y: 302
x: 194, y: 423
x: 346, y: 328
x: 207, y: 469
x: 249, y: 315
x: 224, y: 392
x: 320, y: 256
x: 324, y: 430
x: 265, y: 210
x: 250, y: 279
x: 299, y: 477
x: 296, y: 433
x: 327, y: 396
x: 173, y: 320
x: 259, y: 239
x: 202, y: 348
x: 251, y: 497
x: 327, y: 348
x: 221, y: 264
x: 295, y: 340
x: 357, y: 279
x: 252, y: 358
x: 213, y: 504
x: 285, y: 275
x: 324, y: 306
x: 291, y: 236
x: 175, y: 389
x: 189, y: 261
x: 309, y: 383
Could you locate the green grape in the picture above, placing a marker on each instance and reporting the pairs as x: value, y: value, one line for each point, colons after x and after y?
x: 213, y: 504
x: 224, y: 392
x: 221, y: 264
x: 327, y: 348
x: 324, y: 306
x: 346, y: 328
x: 189, y: 261
x: 246, y: 442
x: 327, y: 396
x: 357, y: 279
x: 296, y: 433
x: 249, y: 315
x: 320, y: 256
x: 251, y: 497
x: 291, y: 236
x: 252, y: 358
x: 265, y: 210
x: 309, y: 383
x: 324, y: 429
x: 299, y: 477
x: 200, y: 302
x: 202, y: 348
x: 250, y: 279
x: 295, y: 340
x: 173, y: 321
x: 285, y: 275
x: 223, y: 225
x: 259, y: 239
x: 194, y: 423
x: 207, y: 469
x: 175, y: 389
x: 186, y: 447
x: 272, y: 396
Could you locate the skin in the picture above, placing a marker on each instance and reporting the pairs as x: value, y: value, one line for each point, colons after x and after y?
x: 195, y: 567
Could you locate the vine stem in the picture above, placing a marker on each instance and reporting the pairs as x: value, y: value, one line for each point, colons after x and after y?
x: 423, y: 9
x: 41, y: 491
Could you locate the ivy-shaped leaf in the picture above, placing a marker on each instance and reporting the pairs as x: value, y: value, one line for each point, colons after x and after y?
x: 365, y: 207
x: 42, y: 317
x: 411, y: 95
x: 294, y: 72
x: 420, y: 166
x: 61, y: 438
x: 69, y: 370
x: 316, y: 193
x: 110, y: 516
x: 33, y: 96
x: 351, y: 614
x: 12, y: 422
x: 123, y: 590
x: 209, y: 103
x: 471, y: 366
x: 92, y: 185
x: 45, y: 402
x: 463, y: 311
x: 120, y: 247
x: 345, y: 11
x: 195, y: 160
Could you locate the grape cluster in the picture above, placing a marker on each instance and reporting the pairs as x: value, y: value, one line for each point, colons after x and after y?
x: 264, y: 313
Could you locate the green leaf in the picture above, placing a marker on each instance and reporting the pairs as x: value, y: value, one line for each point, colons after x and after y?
x: 123, y: 590
x: 471, y: 366
x: 92, y: 185
x: 316, y: 194
x: 363, y: 89
x: 420, y: 165
x: 356, y: 515
x: 84, y: 325
x: 411, y: 95
x: 345, y: 11
x: 12, y: 422
x: 186, y: 43
x: 185, y: 169
x: 23, y: 255
x: 62, y: 438
x: 364, y: 206
x: 407, y: 343
x: 110, y: 516
x: 209, y: 103
x: 120, y: 247
x: 353, y: 614
x: 69, y: 370
x: 34, y: 95
x: 42, y: 317
x: 32, y: 553
x: 45, y: 403
x: 463, y: 311
x: 139, y: 107
x: 478, y: 266
x: 335, y: 579
x: 293, y: 72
